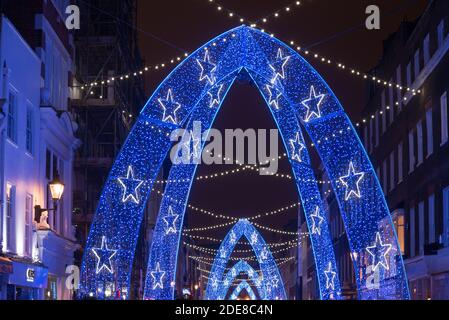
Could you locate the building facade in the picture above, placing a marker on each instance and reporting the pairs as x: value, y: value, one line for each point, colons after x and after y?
x: 37, y: 146
x: 406, y: 135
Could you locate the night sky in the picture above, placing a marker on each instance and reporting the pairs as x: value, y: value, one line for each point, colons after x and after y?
x: 334, y: 29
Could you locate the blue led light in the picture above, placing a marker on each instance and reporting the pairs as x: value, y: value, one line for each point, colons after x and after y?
x: 299, y: 100
x: 243, y: 286
x: 269, y: 280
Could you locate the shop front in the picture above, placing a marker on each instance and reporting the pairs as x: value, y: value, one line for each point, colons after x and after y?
x: 25, y: 282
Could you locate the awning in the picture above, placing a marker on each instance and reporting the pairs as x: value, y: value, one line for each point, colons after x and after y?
x: 5, y: 265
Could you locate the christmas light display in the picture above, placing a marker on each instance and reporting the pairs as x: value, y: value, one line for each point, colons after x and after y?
x: 268, y: 268
x: 306, y: 104
x: 243, y: 285
x: 240, y: 267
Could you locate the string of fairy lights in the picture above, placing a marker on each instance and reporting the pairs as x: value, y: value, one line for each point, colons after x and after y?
x: 306, y: 52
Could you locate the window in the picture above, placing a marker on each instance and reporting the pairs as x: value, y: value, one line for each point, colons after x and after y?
x: 384, y: 176
x: 432, y: 219
x: 420, y: 142
x: 426, y: 49
x: 371, y: 127
x: 411, y: 151
x: 444, y: 131
x: 440, y: 33
x: 28, y: 222
x: 383, y: 102
x: 446, y: 216
x: 391, y: 102
x: 10, y: 207
x: 399, y: 223
x: 12, y: 117
x: 48, y: 164
x: 29, y: 130
x: 399, y: 91
x: 392, y: 166
x: 421, y: 227
x: 412, y: 232
x: 409, y: 75
x: 365, y: 137
x: 417, y: 64
x: 429, y: 129
x: 400, y: 162
x: 376, y: 123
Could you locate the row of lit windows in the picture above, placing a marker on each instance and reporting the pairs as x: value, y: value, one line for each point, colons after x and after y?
x: 384, y: 118
x: 421, y: 146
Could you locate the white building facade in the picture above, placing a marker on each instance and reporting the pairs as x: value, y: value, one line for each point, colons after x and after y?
x: 37, y: 143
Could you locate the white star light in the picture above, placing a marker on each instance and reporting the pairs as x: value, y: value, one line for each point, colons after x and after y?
x: 158, y: 277
x: 381, y: 248
x: 207, y: 68
x: 264, y: 254
x: 313, y: 104
x: 104, y: 256
x: 317, y: 220
x: 170, y: 221
x: 226, y: 282
x: 223, y: 253
x: 330, y: 277
x: 251, y: 273
x: 254, y: 238
x: 133, y: 184
x: 193, y: 141
x: 170, y: 107
x: 232, y: 237
x: 278, y: 66
x: 351, y: 182
x: 274, y: 95
x: 233, y: 272
x: 215, y: 283
x: 297, y: 147
x: 215, y: 95
x: 275, y: 282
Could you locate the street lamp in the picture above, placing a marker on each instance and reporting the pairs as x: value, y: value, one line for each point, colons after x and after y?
x: 56, y: 190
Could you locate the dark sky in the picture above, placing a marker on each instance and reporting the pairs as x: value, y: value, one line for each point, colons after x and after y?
x: 322, y: 24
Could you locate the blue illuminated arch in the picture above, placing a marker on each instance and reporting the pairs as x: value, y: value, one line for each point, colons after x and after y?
x: 273, y: 287
x: 299, y: 99
x: 243, y: 286
x: 241, y: 267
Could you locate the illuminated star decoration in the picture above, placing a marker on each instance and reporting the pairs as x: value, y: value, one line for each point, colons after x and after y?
x: 170, y: 220
x: 313, y: 104
x: 232, y: 237
x: 215, y: 95
x: 275, y: 282
x: 274, y: 95
x: 158, y: 277
x: 129, y: 183
x: 297, y: 147
x: 278, y: 66
x: 233, y: 272
x: 207, y: 68
x: 193, y: 141
x: 226, y: 282
x: 104, y: 256
x: 215, y: 283
x: 170, y: 108
x: 223, y: 253
x: 264, y: 254
x: 317, y: 220
x: 351, y: 182
x: 251, y: 273
x: 379, y: 252
x: 330, y: 277
x: 254, y: 238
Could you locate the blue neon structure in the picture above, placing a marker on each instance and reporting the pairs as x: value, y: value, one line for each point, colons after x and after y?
x: 243, y: 286
x: 272, y: 284
x: 242, y: 267
x: 300, y: 101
